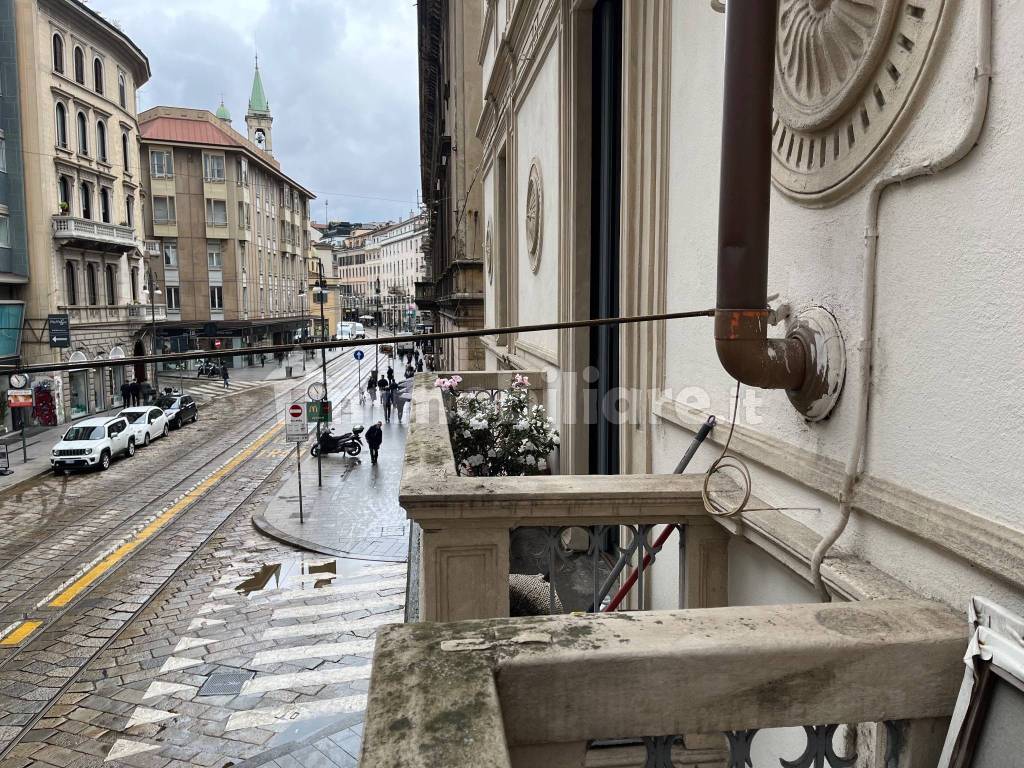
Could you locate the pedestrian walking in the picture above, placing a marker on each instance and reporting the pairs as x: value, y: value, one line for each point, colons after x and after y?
x: 409, y: 371
x: 386, y: 398
x: 419, y: 365
x: 391, y: 373
x: 263, y: 360
x: 126, y: 394
x: 403, y: 394
x: 374, y: 437
x: 224, y: 374
x: 135, y: 393
x: 371, y: 387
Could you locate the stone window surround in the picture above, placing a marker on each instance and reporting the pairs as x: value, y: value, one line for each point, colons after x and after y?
x: 79, y: 261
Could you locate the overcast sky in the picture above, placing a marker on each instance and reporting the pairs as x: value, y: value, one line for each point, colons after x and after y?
x: 340, y: 76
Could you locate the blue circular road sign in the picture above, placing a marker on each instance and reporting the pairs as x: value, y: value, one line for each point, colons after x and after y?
x: 358, y: 354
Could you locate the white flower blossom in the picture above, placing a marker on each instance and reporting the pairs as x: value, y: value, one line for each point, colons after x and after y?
x: 475, y: 460
x: 530, y: 460
x: 542, y: 464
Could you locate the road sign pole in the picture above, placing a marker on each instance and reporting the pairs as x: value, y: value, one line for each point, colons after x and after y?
x: 298, y: 463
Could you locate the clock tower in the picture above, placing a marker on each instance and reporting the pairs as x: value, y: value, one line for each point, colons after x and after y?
x: 258, y: 119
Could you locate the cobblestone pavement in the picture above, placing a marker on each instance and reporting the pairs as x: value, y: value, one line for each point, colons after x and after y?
x: 147, y: 623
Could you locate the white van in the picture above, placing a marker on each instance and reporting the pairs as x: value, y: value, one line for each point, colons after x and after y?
x: 344, y: 331
x: 358, y: 331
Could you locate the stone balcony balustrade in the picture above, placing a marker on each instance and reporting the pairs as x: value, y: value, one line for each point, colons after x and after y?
x: 690, y: 687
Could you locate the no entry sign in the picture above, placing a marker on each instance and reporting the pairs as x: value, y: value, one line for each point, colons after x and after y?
x: 295, y: 429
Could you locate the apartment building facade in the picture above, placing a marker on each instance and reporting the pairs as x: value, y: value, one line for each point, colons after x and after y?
x: 395, y: 257
x: 451, y: 102
x: 76, y: 77
x: 230, y: 229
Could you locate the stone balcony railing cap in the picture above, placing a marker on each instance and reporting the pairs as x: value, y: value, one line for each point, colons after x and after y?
x: 462, y: 693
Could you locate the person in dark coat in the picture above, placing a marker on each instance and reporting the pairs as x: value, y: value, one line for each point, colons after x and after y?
x: 135, y: 390
x: 419, y: 365
x: 224, y: 375
x: 371, y: 387
x: 374, y: 437
x: 386, y: 398
x: 126, y: 395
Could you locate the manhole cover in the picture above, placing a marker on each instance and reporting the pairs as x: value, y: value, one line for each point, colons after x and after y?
x: 225, y: 683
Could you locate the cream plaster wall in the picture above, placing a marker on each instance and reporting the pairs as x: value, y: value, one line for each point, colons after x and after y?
x: 949, y: 364
x: 537, y: 137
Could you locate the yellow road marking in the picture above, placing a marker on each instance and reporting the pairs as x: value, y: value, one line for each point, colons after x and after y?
x: 83, y: 582
x: 21, y: 631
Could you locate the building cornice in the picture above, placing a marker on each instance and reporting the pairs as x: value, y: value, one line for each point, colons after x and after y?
x: 82, y: 16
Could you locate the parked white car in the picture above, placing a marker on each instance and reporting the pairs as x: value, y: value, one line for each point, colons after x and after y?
x: 93, y: 443
x: 358, y: 331
x: 146, y: 422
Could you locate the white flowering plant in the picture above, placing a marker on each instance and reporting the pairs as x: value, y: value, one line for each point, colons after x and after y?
x: 500, y: 436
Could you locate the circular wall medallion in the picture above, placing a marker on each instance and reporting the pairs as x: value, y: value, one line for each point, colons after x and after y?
x: 534, y: 215
x: 845, y: 72
x: 489, y: 252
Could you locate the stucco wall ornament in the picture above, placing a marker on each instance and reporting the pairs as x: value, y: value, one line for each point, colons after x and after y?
x: 534, y: 216
x: 489, y: 252
x: 845, y: 72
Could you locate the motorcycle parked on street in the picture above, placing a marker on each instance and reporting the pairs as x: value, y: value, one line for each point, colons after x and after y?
x: 350, y: 443
x: 207, y: 368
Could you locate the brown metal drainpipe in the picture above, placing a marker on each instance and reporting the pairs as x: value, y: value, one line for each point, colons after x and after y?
x: 741, y: 317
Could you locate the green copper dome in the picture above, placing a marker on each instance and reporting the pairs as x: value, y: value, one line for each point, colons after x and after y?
x: 222, y: 112
x: 258, y: 104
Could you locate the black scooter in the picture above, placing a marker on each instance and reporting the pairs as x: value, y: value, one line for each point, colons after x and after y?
x: 350, y: 443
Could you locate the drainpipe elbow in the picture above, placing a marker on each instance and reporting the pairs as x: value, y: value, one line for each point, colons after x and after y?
x: 750, y: 357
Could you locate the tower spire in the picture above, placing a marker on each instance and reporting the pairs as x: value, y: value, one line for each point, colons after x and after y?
x: 258, y: 119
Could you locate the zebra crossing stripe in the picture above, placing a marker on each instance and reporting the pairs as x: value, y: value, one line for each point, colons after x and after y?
x: 334, y: 608
x: 289, y: 713
x: 317, y: 651
x: 343, y: 674
x: 336, y: 626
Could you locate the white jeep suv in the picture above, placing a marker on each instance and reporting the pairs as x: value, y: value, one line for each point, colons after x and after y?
x: 93, y: 443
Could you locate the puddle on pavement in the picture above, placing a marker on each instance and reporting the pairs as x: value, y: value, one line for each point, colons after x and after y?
x: 302, y: 573
x: 295, y: 573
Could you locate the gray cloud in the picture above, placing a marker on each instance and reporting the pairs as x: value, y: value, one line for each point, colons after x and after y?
x: 340, y: 76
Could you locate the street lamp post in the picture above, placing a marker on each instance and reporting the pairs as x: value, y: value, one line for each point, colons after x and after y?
x: 320, y: 291
x: 376, y: 327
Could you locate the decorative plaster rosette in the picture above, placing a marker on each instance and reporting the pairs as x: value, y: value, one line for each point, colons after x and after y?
x: 534, y: 216
x: 845, y: 72
x: 489, y: 252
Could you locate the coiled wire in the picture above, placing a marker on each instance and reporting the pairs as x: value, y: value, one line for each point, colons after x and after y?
x: 717, y: 507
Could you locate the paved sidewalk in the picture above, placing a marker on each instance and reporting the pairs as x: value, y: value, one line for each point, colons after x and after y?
x: 204, y: 390
x: 356, y: 513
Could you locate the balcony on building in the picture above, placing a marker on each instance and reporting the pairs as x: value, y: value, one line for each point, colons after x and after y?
x: 425, y: 296
x: 510, y: 658
x: 93, y: 235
